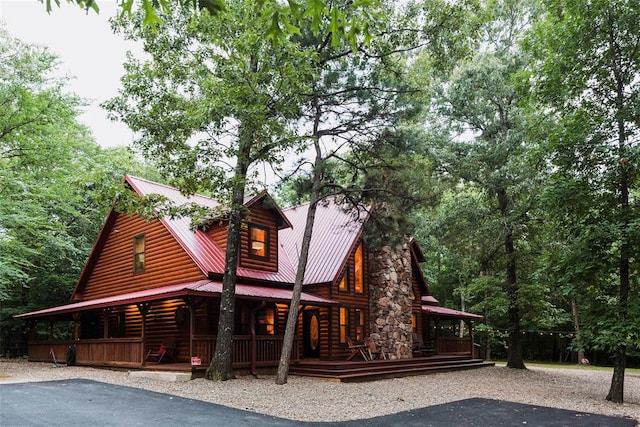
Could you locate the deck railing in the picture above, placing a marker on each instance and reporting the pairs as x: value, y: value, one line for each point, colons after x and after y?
x: 453, y: 345
x: 129, y: 352
x: 106, y: 352
x: 268, y: 349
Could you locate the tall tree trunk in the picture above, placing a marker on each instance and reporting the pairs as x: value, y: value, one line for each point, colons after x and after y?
x: 220, y: 368
x: 463, y: 308
x: 514, y: 354
x: 576, y: 328
x: 292, y: 319
x: 616, y: 392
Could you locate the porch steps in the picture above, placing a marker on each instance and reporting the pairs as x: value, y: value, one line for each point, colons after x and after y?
x: 162, y: 375
x: 382, y: 369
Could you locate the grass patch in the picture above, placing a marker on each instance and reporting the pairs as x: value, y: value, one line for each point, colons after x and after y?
x: 570, y: 366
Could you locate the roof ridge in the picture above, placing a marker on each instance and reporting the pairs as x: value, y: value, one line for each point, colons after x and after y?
x: 167, y: 186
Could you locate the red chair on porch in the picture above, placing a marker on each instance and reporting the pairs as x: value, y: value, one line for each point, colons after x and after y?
x: 357, y: 348
x: 372, y: 348
x: 165, y: 352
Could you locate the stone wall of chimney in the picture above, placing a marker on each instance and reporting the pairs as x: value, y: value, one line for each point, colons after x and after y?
x: 390, y: 298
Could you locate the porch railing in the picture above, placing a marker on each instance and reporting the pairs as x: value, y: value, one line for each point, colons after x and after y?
x: 268, y: 349
x: 450, y: 345
x: 106, y: 352
x: 129, y: 352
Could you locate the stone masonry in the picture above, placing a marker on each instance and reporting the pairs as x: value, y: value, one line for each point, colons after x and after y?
x: 390, y: 298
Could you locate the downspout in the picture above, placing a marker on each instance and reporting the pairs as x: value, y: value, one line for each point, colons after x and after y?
x: 252, y: 332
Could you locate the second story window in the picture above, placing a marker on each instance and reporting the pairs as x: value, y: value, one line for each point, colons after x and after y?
x: 138, y: 253
x: 258, y: 241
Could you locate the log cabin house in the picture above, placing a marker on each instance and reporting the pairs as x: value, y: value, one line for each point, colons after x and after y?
x: 146, y: 283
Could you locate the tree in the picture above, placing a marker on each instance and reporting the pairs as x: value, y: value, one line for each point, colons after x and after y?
x: 284, y: 20
x: 356, y: 107
x: 487, y: 142
x: 587, y: 73
x: 215, y: 97
x: 56, y: 185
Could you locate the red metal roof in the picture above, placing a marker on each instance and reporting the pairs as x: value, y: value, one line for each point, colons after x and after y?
x: 449, y: 312
x: 335, y: 233
x: 430, y: 300
x: 201, y: 287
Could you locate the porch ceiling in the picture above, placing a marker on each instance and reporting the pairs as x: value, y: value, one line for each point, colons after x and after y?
x: 206, y: 288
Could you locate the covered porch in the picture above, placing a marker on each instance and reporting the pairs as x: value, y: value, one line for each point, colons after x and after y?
x: 448, y: 331
x: 121, y: 331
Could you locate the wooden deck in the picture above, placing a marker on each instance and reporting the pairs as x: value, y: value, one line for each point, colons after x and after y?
x: 353, y: 371
x: 381, y: 369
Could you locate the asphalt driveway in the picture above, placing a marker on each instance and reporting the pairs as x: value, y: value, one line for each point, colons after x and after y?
x: 91, y: 403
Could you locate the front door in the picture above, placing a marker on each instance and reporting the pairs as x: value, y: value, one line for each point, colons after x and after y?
x: 311, y: 333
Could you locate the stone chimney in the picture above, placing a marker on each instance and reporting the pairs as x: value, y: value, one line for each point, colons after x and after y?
x: 390, y: 279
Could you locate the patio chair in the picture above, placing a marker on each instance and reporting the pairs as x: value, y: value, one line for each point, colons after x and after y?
x: 165, y: 352
x: 419, y: 348
x: 373, y: 350
x: 357, y: 348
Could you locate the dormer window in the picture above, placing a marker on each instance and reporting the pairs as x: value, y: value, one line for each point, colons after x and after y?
x: 138, y: 253
x: 258, y: 241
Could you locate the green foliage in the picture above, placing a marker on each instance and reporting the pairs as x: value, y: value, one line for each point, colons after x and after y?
x: 206, y: 79
x: 56, y: 185
x: 587, y: 74
x: 348, y: 21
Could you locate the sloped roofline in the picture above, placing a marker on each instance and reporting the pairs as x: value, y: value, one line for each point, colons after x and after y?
x: 264, y: 194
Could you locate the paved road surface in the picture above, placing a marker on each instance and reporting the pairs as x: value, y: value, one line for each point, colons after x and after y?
x: 92, y: 404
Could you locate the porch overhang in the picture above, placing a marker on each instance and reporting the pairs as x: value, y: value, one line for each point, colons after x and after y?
x: 449, y: 313
x: 204, y: 288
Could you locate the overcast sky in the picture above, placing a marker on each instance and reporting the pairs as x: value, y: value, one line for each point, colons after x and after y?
x: 87, y: 49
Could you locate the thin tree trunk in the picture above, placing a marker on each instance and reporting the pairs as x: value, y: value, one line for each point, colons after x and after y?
x: 285, y: 356
x: 463, y: 308
x: 292, y: 319
x: 576, y: 328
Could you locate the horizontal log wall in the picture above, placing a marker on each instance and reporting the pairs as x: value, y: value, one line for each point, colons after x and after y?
x: 166, y: 262
x: 351, y: 300
x: 263, y: 217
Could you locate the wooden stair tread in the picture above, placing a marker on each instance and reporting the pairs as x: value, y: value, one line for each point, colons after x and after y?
x: 371, y: 370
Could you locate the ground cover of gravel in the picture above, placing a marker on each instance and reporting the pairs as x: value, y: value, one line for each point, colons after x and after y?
x: 311, y: 399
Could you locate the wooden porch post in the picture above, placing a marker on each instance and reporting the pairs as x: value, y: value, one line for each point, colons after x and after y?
x: 252, y: 332
x: 193, y: 305
x: 143, y: 308
x: 105, y: 324
x: 473, y: 342
x: 76, y: 326
x: 51, y: 324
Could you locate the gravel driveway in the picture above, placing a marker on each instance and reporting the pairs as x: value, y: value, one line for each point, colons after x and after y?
x: 311, y: 399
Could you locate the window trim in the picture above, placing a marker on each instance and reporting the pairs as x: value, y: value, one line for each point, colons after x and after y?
x: 345, y: 279
x: 139, y: 238
x: 343, y: 328
x: 267, y: 242
x: 359, y: 326
x: 358, y: 270
x: 266, y: 320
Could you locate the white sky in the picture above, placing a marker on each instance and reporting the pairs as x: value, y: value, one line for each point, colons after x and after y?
x: 87, y: 50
